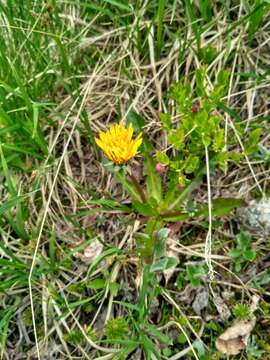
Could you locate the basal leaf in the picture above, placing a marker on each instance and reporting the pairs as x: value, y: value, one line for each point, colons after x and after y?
x: 221, y: 206
x: 164, y: 264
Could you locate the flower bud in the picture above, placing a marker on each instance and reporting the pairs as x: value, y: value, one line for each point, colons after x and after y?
x: 194, y: 108
x: 161, y: 169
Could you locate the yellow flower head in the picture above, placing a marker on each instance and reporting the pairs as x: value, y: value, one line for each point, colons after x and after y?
x: 117, y: 143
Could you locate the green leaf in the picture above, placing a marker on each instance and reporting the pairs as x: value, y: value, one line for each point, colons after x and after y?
x: 191, y: 164
x: 243, y: 239
x: 195, y: 282
x: 166, y: 121
x: 255, y: 19
x: 128, y: 305
x: 136, y: 120
x: 160, y: 26
x: 235, y: 253
x: 206, y: 9
x: 194, y: 274
x: 158, y: 334
x: 199, y: 346
x: 149, y: 347
x: 221, y: 206
x: 200, y: 78
x: 164, y: 264
x: 144, y: 208
x: 221, y: 105
x: 52, y: 248
x: 220, y: 87
x: 179, y: 198
x: 238, y: 266
x: 6, y: 316
x: 176, y: 216
x: 193, y: 20
x: 153, y: 179
x: 249, y: 254
x: 10, y: 203
x: 144, y: 245
x: 160, y: 243
x: 96, y: 284
x: 127, y: 185
x: 176, y: 138
x: 101, y: 257
x: 114, y: 288
x: 208, y: 54
x: 162, y: 158
x: 119, y: 4
x: 253, y: 141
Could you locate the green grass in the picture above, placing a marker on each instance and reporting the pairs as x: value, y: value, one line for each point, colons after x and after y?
x: 68, y: 68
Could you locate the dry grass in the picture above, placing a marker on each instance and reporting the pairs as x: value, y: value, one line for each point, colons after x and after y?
x: 117, y: 78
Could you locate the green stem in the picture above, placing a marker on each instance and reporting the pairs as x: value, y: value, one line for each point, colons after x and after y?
x: 137, y: 187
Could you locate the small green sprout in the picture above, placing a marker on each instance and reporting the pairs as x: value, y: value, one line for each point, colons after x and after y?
x: 243, y: 251
x: 116, y: 329
x: 242, y: 311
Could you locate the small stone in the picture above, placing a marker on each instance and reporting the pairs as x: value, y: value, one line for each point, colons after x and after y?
x: 256, y: 216
x: 201, y: 300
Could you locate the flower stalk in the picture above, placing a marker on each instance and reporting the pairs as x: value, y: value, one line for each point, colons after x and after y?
x: 137, y: 186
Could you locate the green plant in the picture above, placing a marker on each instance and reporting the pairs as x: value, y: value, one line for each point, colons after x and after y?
x: 201, y: 125
x: 243, y: 251
x: 195, y: 274
x: 253, y: 350
x: 74, y: 337
x: 242, y: 311
x: 128, y: 53
x: 116, y: 329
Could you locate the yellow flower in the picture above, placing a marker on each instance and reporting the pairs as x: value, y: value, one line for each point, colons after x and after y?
x: 117, y: 143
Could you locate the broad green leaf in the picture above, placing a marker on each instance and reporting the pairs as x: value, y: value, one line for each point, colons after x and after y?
x: 191, y: 164
x: 162, y: 158
x: 238, y: 266
x: 96, y: 284
x: 249, y: 254
x: 177, y: 137
x: 144, y: 208
x: 166, y: 121
x: 152, y: 225
x: 243, y: 239
x: 235, y: 253
x: 158, y: 334
x: 221, y: 206
x: 160, y: 237
x: 136, y: 120
x: 164, y: 264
